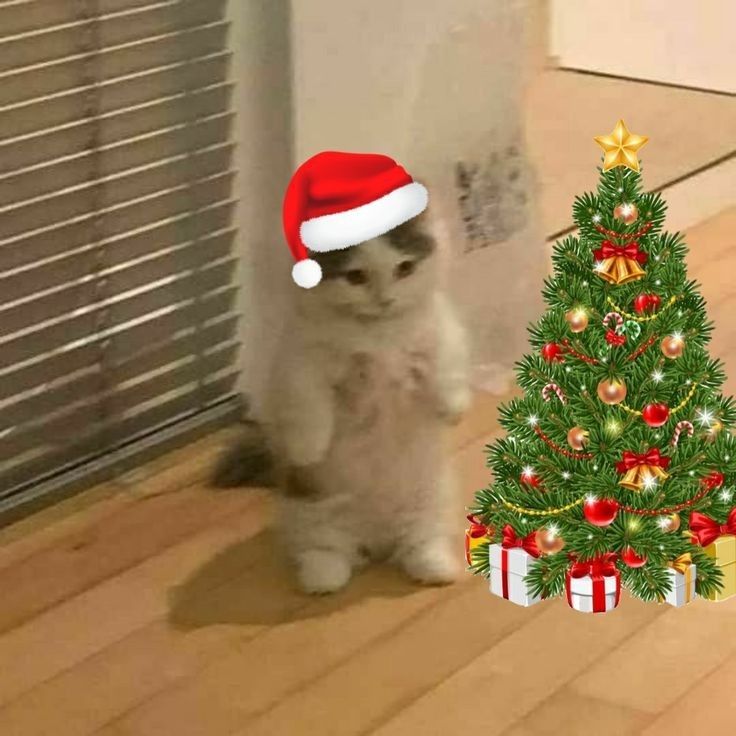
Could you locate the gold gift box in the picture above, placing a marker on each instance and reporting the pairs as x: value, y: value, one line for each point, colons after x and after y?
x: 723, y: 552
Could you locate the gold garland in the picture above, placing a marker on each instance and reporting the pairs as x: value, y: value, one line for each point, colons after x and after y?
x: 545, y: 512
x: 684, y: 402
x: 679, y: 407
x: 636, y: 317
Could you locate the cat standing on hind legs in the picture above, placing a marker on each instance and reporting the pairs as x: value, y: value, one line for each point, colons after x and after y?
x: 370, y: 369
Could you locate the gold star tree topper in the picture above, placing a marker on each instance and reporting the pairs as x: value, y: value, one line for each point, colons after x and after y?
x: 620, y: 147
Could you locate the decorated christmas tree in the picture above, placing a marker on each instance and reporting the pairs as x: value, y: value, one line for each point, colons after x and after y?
x: 617, y: 463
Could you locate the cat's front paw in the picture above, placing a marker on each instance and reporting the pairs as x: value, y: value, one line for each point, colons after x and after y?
x: 323, y: 571
x: 454, y: 404
x: 431, y: 564
x: 303, y: 449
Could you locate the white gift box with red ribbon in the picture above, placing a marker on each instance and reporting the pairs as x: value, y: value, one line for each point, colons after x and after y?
x: 509, y: 568
x: 594, y: 586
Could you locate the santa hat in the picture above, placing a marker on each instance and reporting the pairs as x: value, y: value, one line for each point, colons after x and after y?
x: 336, y: 200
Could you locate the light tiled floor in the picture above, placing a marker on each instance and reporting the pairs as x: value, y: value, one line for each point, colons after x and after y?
x: 160, y: 607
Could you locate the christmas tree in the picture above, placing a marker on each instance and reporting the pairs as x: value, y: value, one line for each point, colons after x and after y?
x: 616, y: 467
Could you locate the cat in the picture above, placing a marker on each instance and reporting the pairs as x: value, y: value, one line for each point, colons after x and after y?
x: 371, y: 366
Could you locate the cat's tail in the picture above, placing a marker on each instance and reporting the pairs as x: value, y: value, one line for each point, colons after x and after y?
x: 247, y: 462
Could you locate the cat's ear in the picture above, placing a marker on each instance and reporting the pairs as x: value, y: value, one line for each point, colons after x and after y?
x: 413, y: 237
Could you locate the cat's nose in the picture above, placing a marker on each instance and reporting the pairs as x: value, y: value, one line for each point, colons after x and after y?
x: 386, y: 302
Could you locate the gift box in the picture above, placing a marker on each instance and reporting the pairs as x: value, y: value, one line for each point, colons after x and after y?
x: 719, y: 543
x: 723, y: 552
x: 510, y: 563
x: 682, y: 573
x: 475, y: 535
x: 593, y: 586
x: 508, y: 575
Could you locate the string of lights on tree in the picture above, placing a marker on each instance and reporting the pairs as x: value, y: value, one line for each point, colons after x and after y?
x: 618, y: 448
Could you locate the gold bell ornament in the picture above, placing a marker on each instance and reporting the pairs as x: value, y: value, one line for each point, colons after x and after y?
x: 642, y: 471
x: 619, y: 264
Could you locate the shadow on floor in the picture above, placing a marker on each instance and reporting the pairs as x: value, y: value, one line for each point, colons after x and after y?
x: 252, y: 583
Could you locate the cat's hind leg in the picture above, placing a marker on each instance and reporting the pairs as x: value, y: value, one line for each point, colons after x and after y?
x: 321, y: 544
x: 427, y: 549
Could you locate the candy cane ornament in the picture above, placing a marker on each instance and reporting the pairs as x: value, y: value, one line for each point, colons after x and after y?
x: 616, y: 318
x: 549, y: 389
x: 679, y: 427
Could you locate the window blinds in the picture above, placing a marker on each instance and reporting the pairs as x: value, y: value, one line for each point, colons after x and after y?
x: 117, y: 259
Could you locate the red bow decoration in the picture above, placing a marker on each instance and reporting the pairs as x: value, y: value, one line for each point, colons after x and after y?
x: 611, y: 250
x: 527, y: 543
x: 613, y: 338
x: 707, y: 530
x: 652, y: 457
x: 599, y: 567
x: 477, y: 530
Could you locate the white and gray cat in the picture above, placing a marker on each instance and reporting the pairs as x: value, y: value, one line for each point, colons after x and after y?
x: 371, y: 366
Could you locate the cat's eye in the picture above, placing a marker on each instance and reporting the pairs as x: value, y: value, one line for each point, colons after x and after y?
x: 404, y: 269
x: 356, y: 276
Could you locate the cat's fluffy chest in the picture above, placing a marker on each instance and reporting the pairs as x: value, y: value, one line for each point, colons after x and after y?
x: 387, y: 387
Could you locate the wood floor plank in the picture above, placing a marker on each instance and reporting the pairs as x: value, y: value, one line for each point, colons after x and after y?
x: 519, y: 673
x: 173, y: 471
x: 258, y: 673
x: 708, y: 708
x: 568, y: 714
x: 394, y: 671
x: 78, y: 628
x: 120, y: 541
x: 693, y: 640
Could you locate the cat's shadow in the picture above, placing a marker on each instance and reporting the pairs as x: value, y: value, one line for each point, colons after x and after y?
x: 251, y: 583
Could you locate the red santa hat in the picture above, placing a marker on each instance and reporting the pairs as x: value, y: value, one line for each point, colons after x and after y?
x: 336, y: 200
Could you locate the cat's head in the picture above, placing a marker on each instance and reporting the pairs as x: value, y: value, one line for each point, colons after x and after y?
x: 380, y: 279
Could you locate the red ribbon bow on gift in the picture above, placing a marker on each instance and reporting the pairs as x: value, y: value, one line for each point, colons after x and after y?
x: 631, y: 460
x: 527, y: 543
x: 477, y: 530
x: 599, y: 567
x: 707, y: 530
x: 629, y: 250
x: 613, y: 338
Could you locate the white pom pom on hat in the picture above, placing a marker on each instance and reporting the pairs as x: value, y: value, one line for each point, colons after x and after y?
x: 306, y: 273
x: 336, y: 200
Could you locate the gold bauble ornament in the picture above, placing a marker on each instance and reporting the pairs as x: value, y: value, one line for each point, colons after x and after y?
x: 577, y: 319
x: 620, y: 147
x: 670, y: 523
x: 672, y: 346
x: 712, y: 432
x: 626, y: 213
x: 611, y: 392
x: 577, y: 438
x: 549, y: 542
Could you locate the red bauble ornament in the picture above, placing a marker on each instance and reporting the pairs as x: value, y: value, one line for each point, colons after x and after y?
x: 551, y: 352
x: 600, y: 511
x: 655, y: 415
x: 531, y: 479
x: 632, y: 559
x: 647, y: 303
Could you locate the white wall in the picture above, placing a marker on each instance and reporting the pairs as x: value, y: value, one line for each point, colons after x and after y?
x: 262, y: 69
x: 433, y: 83
x: 687, y: 43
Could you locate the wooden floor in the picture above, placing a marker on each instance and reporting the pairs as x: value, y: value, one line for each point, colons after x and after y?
x: 156, y: 606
